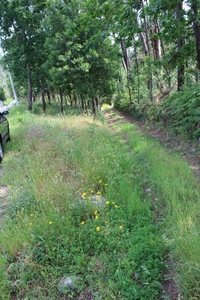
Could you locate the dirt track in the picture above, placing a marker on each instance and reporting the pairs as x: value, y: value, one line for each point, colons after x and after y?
x: 3, y: 196
x: 190, y: 151
x: 187, y: 150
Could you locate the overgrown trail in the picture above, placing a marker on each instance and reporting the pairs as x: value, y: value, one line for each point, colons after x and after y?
x: 190, y: 151
x: 3, y: 197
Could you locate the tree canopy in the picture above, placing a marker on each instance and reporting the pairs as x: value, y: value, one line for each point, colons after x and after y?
x: 86, y: 51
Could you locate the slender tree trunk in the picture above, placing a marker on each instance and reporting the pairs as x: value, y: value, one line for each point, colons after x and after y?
x: 126, y: 64
x: 147, y: 53
x: 43, y: 100
x: 196, y: 28
x: 54, y: 95
x: 61, y: 102
x: 70, y: 99
x: 155, y: 41
x: 82, y: 102
x: 34, y: 97
x: 181, y: 67
x: 30, y: 89
x: 94, y: 107
x: 85, y: 105
x: 138, y: 74
x: 48, y: 97
x: 163, y: 52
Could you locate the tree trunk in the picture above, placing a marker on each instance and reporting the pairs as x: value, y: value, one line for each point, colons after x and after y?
x: 181, y: 68
x: 94, y: 106
x: 138, y: 74
x: 147, y: 53
x: 156, y: 42
x: 196, y: 28
x: 43, y: 100
x: 48, y: 97
x: 82, y: 102
x: 127, y: 65
x: 30, y: 89
x: 70, y: 99
x: 85, y: 105
x: 61, y: 102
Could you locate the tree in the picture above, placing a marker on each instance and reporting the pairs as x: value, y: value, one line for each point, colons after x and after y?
x: 21, y: 37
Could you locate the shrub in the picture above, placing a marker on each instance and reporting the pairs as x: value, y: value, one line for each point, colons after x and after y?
x: 2, y: 94
x: 182, y: 111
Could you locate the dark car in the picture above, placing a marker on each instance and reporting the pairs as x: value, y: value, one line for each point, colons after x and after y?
x: 4, y: 131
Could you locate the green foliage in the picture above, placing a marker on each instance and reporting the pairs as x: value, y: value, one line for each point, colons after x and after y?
x: 122, y: 102
x: 182, y: 111
x: 23, y: 205
x: 2, y: 94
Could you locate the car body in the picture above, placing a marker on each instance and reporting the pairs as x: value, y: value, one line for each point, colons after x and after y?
x: 4, y: 131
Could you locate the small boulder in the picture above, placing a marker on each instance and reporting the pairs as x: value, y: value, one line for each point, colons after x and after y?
x: 95, y: 201
x: 68, y: 284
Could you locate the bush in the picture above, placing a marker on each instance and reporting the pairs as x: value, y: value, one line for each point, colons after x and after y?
x: 182, y: 112
x: 122, y: 102
x: 2, y: 94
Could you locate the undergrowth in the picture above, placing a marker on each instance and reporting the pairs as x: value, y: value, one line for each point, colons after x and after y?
x: 178, y: 113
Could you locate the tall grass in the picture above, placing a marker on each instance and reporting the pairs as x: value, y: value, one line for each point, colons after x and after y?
x: 172, y: 184
x: 53, y: 163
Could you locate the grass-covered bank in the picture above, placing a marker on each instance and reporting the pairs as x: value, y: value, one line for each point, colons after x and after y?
x: 118, y: 252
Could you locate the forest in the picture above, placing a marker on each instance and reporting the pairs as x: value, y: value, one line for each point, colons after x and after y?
x: 143, y: 56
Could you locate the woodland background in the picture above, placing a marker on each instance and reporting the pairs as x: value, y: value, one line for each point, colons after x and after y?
x: 142, y: 56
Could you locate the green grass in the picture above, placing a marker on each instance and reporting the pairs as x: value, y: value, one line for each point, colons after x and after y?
x: 118, y: 252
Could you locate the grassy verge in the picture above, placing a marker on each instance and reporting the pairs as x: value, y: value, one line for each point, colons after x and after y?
x: 117, y: 252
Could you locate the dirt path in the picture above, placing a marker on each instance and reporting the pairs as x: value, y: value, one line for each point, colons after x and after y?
x: 190, y: 151
x: 3, y: 197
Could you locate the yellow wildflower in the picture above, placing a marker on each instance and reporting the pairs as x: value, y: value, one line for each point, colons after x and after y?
x: 31, y: 215
x: 113, y: 202
x: 30, y: 224
x: 82, y: 223
x: 116, y: 206
x: 98, y: 228
x: 50, y: 222
x: 100, y: 181
x: 96, y: 217
x: 107, y: 202
x: 84, y: 194
x: 98, y: 193
x: 95, y: 212
x: 120, y: 226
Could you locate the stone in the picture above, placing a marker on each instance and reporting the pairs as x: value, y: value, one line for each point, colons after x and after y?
x: 95, y: 201
x: 68, y: 284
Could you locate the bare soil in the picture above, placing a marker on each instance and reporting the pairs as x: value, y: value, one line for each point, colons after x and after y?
x: 3, y: 197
